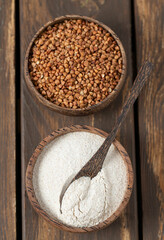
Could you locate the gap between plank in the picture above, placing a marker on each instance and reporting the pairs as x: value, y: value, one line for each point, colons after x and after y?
x: 18, y: 125
x: 136, y: 127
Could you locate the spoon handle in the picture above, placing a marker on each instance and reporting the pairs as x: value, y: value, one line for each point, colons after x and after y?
x: 138, y: 84
x: 98, y: 158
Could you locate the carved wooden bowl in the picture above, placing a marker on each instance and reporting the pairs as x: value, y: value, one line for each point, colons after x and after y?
x: 30, y: 190
x: 68, y: 111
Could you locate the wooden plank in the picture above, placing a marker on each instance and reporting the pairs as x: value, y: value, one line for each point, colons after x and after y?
x: 149, y: 25
x: 38, y: 121
x: 7, y: 121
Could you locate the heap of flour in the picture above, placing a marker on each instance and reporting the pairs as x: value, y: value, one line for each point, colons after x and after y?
x: 86, y: 202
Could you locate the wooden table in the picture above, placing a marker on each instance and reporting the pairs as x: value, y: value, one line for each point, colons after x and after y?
x: 24, y: 122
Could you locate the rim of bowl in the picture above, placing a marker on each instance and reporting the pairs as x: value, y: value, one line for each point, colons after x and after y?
x: 69, y: 111
x: 54, y: 221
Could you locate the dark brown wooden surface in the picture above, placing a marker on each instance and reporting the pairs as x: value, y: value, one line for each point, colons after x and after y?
x: 136, y: 22
x: 7, y: 121
x: 149, y: 26
x: 38, y: 121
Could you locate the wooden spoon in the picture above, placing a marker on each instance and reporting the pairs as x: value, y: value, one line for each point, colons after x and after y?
x: 94, y: 165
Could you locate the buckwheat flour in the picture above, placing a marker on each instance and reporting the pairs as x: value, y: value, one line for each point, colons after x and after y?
x: 86, y: 202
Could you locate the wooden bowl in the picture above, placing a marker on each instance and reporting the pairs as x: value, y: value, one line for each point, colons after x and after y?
x: 30, y: 190
x: 68, y: 111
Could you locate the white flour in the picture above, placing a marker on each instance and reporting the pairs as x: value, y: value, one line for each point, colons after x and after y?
x: 86, y: 202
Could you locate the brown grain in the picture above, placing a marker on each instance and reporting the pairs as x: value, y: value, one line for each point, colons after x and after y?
x: 75, y: 64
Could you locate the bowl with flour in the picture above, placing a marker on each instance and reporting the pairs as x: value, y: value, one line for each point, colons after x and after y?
x: 88, y: 204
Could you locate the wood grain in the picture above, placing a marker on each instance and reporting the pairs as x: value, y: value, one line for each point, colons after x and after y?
x: 149, y: 25
x: 38, y: 121
x: 7, y: 121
